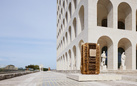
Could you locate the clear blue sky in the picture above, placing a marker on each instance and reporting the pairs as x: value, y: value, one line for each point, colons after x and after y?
x: 28, y: 32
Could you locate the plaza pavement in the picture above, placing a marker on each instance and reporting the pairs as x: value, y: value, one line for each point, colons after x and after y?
x: 59, y: 79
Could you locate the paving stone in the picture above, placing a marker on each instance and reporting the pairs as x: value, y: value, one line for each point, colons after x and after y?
x: 59, y: 79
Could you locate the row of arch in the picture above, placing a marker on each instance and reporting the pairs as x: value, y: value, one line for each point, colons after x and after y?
x: 71, y: 60
x: 71, y: 8
x: 73, y: 31
x: 123, y: 45
x: 105, y: 15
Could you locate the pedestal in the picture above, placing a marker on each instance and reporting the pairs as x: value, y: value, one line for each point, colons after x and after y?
x: 122, y: 67
x: 103, y: 67
x: 100, y: 77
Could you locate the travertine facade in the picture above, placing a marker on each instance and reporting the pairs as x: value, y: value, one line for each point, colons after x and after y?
x: 111, y: 23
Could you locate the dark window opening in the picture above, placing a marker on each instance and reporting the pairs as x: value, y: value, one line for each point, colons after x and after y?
x: 104, y: 22
x: 120, y: 51
x: 121, y: 25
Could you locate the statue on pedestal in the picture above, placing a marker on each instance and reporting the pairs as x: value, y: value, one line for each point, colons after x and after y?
x: 123, y: 58
x: 103, y: 56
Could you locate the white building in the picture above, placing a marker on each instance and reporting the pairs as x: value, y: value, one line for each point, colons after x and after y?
x: 111, y: 23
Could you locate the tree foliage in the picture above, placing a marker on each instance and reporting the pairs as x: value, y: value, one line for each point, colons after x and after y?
x: 34, y: 67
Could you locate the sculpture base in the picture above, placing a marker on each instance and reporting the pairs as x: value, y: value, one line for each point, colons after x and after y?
x: 122, y: 67
x: 100, y: 77
x: 103, y: 67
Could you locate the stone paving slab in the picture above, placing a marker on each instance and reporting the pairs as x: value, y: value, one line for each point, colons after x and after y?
x: 57, y: 79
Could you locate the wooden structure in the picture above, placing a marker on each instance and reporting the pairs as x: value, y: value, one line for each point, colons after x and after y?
x: 90, y: 58
x: 49, y: 69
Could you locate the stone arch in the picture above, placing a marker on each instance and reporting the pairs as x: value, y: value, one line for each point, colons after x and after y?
x: 66, y: 36
x: 79, y: 54
x: 64, y: 5
x: 64, y: 23
x: 104, y: 13
x: 70, y: 11
x: 63, y: 43
x: 63, y: 62
x: 127, y: 46
x: 70, y: 58
x: 106, y: 41
x: 74, y: 28
x: 75, y: 3
x: 61, y: 11
x: 136, y: 56
x: 74, y: 58
x: 136, y: 20
x: 81, y: 19
x: 66, y: 16
x: 66, y: 64
x: 124, y: 16
x: 70, y: 36
x: 61, y: 28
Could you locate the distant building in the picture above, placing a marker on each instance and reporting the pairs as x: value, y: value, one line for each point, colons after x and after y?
x: 110, y: 23
x: 41, y: 67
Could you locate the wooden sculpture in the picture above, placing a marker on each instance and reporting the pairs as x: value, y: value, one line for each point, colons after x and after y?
x: 90, y: 58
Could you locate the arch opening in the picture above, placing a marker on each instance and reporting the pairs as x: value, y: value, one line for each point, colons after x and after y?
x: 125, y: 45
x: 75, y: 3
x: 69, y: 59
x: 136, y: 20
x: 75, y: 59
x: 79, y: 54
x: 66, y: 38
x: 120, y: 51
x: 70, y: 33
x: 136, y: 56
x: 74, y: 27
x: 105, y: 48
x: 66, y: 17
x: 104, y: 13
x: 81, y: 19
x: 106, y: 45
x: 124, y: 16
x: 70, y: 11
x: 66, y: 61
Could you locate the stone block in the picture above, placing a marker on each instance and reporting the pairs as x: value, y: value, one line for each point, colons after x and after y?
x: 100, y: 77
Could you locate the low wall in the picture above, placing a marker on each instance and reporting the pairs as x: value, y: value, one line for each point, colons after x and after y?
x: 11, y: 75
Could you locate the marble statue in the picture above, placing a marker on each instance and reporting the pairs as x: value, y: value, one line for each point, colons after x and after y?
x: 123, y: 58
x: 103, y: 55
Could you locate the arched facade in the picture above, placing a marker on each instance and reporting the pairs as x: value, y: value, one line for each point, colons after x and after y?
x: 66, y: 63
x: 70, y: 11
x: 136, y: 20
x: 79, y: 54
x: 104, y: 13
x: 110, y: 23
x: 74, y: 58
x: 70, y: 35
x: 125, y: 44
x: 70, y: 60
x: 106, y: 41
x: 124, y: 16
x: 136, y: 56
x: 81, y: 19
x: 74, y: 29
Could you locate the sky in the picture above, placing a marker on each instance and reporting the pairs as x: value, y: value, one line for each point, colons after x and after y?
x: 28, y: 32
